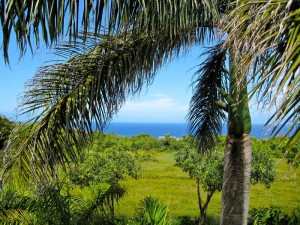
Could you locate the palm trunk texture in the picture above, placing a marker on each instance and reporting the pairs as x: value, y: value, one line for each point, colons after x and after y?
x: 236, y: 181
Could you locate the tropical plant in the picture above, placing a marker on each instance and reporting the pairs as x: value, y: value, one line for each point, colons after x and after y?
x: 16, y: 208
x: 272, y: 215
x: 109, y: 63
x: 218, y: 91
x: 268, y: 34
x: 151, y: 212
x: 54, y: 204
x: 99, y: 208
x: 47, y: 206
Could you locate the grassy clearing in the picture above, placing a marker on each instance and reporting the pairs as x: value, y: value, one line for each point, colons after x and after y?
x: 284, y: 191
x: 163, y: 180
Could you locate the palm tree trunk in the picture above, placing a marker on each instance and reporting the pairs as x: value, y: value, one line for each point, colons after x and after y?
x: 236, y: 181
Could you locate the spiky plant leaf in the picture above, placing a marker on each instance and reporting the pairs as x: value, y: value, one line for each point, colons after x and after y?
x: 152, y: 211
x: 207, y: 105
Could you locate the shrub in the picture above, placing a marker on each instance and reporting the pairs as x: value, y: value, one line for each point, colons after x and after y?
x: 185, y: 220
x: 269, y: 216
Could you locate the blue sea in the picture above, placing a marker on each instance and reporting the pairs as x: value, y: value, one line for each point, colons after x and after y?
x: 173, y: 129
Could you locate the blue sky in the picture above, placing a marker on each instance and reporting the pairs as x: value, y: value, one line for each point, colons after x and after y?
x: 166, y: 100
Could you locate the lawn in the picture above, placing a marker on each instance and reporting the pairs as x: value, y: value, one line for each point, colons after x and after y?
x: 161, y: 179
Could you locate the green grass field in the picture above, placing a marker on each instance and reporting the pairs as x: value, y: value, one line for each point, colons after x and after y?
x: 173, y: 187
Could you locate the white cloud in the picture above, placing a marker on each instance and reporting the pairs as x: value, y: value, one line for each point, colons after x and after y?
x: 159, y: 95
x: 153, y: 108
x: 159, y: 103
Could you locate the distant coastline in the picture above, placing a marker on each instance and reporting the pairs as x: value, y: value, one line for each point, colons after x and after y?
x: 173, y: 129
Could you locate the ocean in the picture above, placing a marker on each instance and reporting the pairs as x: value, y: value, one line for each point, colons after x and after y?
x: 173, y: 129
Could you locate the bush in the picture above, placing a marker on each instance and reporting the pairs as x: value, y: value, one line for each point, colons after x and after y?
x: 269, y: 216
x: 296, y: 216
x: 185, y: 220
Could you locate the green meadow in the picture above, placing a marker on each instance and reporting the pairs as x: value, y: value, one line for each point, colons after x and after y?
x: 163, y: 180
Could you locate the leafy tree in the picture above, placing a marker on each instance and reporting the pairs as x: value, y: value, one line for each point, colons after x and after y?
x: 145, y: 142
x: 105, y: 166
x: 208, y: 170
x: 6, y: 127
x: 106, y: 65
x: 109, y: 166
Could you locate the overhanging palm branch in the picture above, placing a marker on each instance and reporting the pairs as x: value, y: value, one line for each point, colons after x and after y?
x: 87, y: 89
x: 269, y: 31
x: 207, y: 107
x: 48, y: 21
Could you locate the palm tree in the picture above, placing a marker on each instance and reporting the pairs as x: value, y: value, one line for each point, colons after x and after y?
x: 269, y: 33
x: 104, y: 66
x: 217, y: 92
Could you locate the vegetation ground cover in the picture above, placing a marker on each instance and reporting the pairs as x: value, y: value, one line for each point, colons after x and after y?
x: 162, y: 179
x: 111, y: 158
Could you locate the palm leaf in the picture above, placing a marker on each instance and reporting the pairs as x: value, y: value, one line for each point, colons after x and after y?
x: 269, y: 34
x: 46, y: 20
x: 87, y: 89
x: 206, y: 114
x: 16, y: 208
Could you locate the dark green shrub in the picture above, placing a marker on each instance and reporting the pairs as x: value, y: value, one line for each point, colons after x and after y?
x: 269, y: 216
x: 185, y: 220
x: 296, y: 216
x: 6, y: 127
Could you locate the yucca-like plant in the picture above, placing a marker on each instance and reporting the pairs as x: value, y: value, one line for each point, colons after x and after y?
x: 152, y: 212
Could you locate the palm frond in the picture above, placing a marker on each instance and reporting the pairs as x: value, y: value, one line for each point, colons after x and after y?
x: 97, y: 201
x: 205, y: 115
x: 53, y: 207
x: 269, y: 32
x: 48, y: 21
x: 16, y: 208
x: 87, y: 89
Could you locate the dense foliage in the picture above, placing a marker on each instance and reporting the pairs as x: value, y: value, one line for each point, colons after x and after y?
x: 6, y: 127
x: 87, y: 193
x: 274, y: 216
